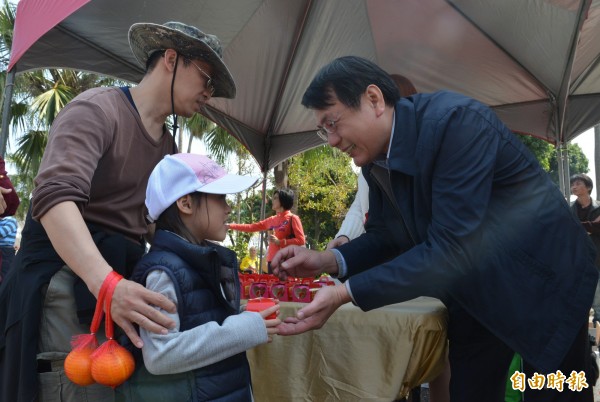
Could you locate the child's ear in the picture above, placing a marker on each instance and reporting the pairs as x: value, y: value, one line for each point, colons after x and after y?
x: 185, y: 204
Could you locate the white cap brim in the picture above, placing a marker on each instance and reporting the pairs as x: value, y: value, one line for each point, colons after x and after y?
x: 229, y: 184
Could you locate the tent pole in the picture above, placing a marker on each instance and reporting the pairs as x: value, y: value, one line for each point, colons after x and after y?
x: 6, y: 102
x: 566, y: 172
x: 262, y: 217
x: 562, y: 156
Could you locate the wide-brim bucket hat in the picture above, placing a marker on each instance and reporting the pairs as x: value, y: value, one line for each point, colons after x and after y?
x: 147, y: 38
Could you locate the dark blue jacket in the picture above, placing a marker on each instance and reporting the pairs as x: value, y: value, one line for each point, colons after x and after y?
x: 196, y: 272
x: 474, y: 220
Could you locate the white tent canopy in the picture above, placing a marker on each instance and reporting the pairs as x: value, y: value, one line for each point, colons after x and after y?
x: 536, y: 62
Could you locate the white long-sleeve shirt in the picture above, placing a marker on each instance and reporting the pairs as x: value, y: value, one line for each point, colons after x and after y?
x: 178, y: 352
x: 354, y: 222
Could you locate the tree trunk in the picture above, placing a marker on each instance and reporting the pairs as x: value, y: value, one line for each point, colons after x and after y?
x: 281, y: 174
x: 597, y: 158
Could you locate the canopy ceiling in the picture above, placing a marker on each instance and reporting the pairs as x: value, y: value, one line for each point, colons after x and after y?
x: 536, y: 62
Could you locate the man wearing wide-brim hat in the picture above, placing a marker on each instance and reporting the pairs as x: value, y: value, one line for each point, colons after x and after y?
x: 87, y: 212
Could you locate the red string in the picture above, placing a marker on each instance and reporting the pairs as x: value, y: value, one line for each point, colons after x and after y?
x: 108, y: 322
x: 98, y: 313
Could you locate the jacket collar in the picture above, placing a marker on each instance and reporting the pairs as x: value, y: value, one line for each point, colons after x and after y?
x: 403, y: 149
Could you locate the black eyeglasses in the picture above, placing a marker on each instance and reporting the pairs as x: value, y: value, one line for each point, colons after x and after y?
x: 209, y: 84
x: 330, y: 127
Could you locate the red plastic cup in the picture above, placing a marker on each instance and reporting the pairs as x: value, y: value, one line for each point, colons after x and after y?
x: 260, y: 304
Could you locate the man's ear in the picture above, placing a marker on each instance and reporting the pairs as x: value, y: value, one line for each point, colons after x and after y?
x: 185, y: 204
x: 375, y: 99
x: 170, y: 59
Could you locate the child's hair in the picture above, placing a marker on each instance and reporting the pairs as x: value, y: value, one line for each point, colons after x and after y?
x: 170, y: 219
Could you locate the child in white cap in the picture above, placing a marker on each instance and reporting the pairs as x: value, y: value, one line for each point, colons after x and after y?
x: 203, y: 357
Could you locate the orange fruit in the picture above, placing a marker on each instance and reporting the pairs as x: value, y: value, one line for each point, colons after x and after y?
x: 112, y: 364
x: 78, y: 366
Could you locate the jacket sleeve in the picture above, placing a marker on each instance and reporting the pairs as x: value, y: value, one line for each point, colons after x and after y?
x: 12, y: 198
x: 251, y: 227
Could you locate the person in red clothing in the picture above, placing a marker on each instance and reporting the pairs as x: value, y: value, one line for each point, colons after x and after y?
x: 285, y: 228
x: 9, y: 199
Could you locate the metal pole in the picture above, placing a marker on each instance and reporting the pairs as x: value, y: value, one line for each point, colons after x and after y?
x: 6, y: 102
x: 567, y: 172
x: 562, y: 156
x: 262, y: 216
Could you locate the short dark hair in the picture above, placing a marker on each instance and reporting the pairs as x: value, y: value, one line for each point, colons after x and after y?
x: 587, y: 181
x: 153, y: 60
x: 154, y: 57
x: 286, y: 197
x: 170, y: 219
x: 348, y: 78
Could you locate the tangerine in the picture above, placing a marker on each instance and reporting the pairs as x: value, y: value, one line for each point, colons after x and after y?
x: 78, y: 366
x: 112, y: 364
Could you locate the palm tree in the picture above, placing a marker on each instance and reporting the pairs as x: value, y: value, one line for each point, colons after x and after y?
x: 7, y: 21
x: 38, y: 96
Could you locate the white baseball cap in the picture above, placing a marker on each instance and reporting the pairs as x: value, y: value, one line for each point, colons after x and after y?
x: 181, y: 174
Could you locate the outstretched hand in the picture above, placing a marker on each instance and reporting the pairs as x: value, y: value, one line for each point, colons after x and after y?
x: 301, y: 262
x: 315, y: 315
x: 133, y: 303
x: 273, y: 323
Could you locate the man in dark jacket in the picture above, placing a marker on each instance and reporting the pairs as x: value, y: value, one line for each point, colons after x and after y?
x: 460, y: 210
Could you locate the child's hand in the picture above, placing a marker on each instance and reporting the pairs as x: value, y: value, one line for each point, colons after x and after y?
x: 272, y: 323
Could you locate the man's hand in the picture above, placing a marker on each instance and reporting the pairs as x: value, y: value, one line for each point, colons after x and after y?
x: 301, y: 262
x: 315, y: 315
x: 338, y: 241
x: 133, y: 303
x: 2, y: 200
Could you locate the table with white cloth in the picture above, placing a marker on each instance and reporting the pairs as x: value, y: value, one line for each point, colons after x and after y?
x: 378, y: 355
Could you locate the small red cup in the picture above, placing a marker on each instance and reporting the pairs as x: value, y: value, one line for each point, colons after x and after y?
x: 260, y: 304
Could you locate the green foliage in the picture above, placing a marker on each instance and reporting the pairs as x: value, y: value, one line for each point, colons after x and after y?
x: 547, y: 155
x: 578, y: 163
x: 7, y: 21
x: 246, y: 210
x: 325, y: 186
x: 542, y: 150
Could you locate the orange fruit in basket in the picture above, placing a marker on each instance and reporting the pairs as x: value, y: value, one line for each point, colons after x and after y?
x: 112, y: 364
x: 78, y: 366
